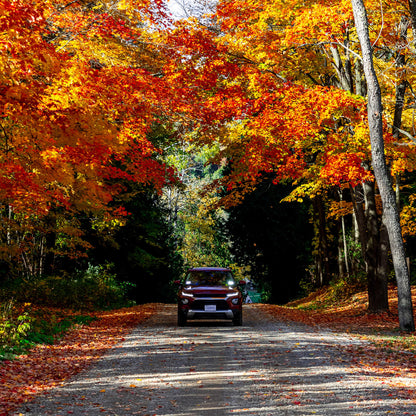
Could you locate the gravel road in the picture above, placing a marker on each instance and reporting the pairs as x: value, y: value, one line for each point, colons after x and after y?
x: 265, y: 367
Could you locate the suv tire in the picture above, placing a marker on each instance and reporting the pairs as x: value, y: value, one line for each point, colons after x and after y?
x: 238, y: 319
x: 181, y: 319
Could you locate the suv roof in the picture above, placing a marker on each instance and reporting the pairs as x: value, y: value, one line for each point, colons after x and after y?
x: 225, y: 269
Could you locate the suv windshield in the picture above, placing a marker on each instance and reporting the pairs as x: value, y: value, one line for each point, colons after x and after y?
x: 209, y: 278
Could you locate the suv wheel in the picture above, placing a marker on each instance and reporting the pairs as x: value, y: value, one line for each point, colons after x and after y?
x: 181, y: 318
x: 238, y: 319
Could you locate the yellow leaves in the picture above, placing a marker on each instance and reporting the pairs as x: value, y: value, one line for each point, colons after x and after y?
x: 237, y: 131
x: 408, y: 218
x: 68, y: 91
x: 50, y: 155
x: 340, y: 209
x: 123, y: 5
x: 319, y: 23
x: 399, y: 166
x: 361, y: 137
x: 306, y: 190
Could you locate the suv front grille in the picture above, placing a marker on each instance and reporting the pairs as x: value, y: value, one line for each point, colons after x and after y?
x: 214, y: 295
x: 199, y: 305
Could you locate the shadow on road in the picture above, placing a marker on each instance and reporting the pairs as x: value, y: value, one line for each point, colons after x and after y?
x: 213, y: 369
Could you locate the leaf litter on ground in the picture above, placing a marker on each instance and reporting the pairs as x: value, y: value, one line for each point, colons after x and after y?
x: 46, y: 366
x: 389, y: 353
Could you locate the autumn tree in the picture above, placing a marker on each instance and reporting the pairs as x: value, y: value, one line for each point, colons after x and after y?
x: 275, y: 89
x: 390, y: 212
x: 198, y: 221
x: 80, y: 92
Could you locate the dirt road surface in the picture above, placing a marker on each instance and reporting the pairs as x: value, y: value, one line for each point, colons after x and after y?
x: 265, y: 367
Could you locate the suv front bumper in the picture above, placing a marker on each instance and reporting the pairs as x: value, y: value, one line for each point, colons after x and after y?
x: 198, y: 314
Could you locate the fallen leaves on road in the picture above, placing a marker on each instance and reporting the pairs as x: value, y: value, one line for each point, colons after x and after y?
x: 46, y: 366
x: 390, y: 354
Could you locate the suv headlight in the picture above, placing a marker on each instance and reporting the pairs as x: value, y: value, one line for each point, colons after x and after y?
x: 189, y: 295
x: 186, y: 298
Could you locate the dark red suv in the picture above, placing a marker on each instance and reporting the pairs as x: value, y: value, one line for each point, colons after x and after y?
x: 210, y: 293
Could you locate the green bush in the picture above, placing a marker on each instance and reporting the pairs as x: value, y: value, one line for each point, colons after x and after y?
x: 47, y: 328
x: 13, y: 327
x: 22, y: 326
x: 94, y: 288
x: 344, y: 288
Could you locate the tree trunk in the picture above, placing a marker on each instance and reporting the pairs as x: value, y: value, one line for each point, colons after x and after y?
x: 343, y: 74
x: 360, y: 85
x: 390, y: 212
x: 343, y: 246
x: 323, y: 256
x: 400, y: 96
x: 357, y: 203
x: 376, y: 255
x: 412, y: 5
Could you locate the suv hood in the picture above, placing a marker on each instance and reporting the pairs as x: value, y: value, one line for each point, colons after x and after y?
x: 200, y: 290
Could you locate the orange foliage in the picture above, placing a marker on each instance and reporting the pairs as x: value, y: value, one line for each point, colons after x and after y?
x: 265, y: 81
x: 345, y: 315
x: 264, y: 123
x: 70, y: 121
x: 345, y: 168
x: 80, y: 91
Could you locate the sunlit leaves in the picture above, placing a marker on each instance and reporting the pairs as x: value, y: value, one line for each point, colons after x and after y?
x: 408, y: 216
x: 279, y: 102
x: 80, y: 91
x: 345, y: 168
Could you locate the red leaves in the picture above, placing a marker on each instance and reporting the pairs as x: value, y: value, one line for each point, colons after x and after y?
x: 46, y: 366
x: 78, y: 99
x: 345, y: 168
x: 64, y: 122
x: 348, y: 315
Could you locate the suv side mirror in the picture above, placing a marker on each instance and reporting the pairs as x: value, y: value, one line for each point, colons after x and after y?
x: 242, y: 283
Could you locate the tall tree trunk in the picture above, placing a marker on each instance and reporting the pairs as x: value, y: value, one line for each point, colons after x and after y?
x: 343, y: 246
x: 357, y: 203
x: 376, y: 255
x: 400, y: 96
x: 322, y: 260
x: 360, y: 85
x: 343, y: 74
x: 390, y: 212
x: 412, y: 5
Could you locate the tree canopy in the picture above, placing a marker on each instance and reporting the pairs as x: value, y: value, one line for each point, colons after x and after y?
x: 104, y: 103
